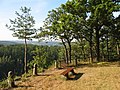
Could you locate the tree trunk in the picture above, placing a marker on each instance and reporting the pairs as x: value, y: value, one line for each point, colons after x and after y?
x: 118, y: 51
x: 75, y: 55
x: 103, y: 58
x: 66, y: 51
x: 83, y: 50
x: 90, y: 43
x: 69, y: 44
x: 107, y: 49
x: 97, y: 45
x: 25, y: 57
x: 91, y: 55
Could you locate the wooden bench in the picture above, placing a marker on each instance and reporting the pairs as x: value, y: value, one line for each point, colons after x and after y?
x: 65, y: 73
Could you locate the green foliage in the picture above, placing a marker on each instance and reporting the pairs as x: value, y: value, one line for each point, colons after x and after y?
x: 62, y: 25
x: 6, y: 64
x: 23, y: 24
x: 22, y: 27
x: 61, y: 55
x: 12, y: 59
x: 88, y: 21
x: 44, y: 56
x: 3, y: 84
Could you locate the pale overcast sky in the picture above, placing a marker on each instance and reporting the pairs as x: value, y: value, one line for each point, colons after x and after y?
x: 39, y: 9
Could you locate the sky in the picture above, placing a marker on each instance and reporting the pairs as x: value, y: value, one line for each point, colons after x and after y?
x: 39, y: 11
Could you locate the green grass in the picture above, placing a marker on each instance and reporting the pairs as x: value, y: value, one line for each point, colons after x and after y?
x: 3, y: 84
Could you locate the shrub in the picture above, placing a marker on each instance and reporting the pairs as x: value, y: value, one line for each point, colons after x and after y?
x: 3, y: 84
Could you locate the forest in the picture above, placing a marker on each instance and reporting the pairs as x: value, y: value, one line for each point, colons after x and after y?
x: 12, y: 58
x: 87, y: 29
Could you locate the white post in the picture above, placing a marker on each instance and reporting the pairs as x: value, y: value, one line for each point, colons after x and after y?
x: 10, y: 79
x: 56, y: 64
x: 35, y: 69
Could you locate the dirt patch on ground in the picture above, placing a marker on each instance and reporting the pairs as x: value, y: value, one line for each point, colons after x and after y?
x: 87, y: 78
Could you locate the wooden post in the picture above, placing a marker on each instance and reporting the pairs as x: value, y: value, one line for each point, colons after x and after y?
x: 56, y: 64
x: 10, y: 79
x: 60, y: 64
x: 35, y: 69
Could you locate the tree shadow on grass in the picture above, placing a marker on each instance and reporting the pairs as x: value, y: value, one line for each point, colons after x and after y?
x: 76, y: 76
x: 44, y: 74
x: 17, y: 86
x: 22, y: 86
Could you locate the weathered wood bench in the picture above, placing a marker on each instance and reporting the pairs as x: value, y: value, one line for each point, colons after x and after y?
x: 66, y: 72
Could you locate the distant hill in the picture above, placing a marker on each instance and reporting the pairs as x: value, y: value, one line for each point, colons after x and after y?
x: 49, y: 43
x: 7, y: 43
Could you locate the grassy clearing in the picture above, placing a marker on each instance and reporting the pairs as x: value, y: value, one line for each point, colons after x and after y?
x: 99, y: 77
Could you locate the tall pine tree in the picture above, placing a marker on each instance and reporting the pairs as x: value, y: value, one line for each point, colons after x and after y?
x: 22, y: 27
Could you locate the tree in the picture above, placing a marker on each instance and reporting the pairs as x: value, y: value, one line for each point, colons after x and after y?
x: 101, y: 15
x: 44, y: 56
x: 22, y: 26
x: 115, y: 33
x: 118, y: 31
x: 12, y: 58
x: 60, y: 24
x: 82, y: 30
x: 82, y: 20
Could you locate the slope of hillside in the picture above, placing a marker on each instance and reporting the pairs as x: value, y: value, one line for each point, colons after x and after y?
x: 87, y: 78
